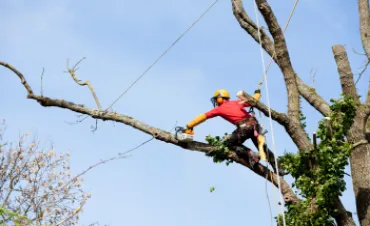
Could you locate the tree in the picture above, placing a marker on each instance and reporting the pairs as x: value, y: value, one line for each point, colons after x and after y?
x: 275, y: 45
x: 36, y: 185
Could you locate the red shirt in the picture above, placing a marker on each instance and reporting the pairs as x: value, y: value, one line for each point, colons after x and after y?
x: 231, y: 111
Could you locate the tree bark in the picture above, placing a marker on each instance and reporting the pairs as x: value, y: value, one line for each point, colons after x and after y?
x: 360, y: 154
x: 360, y: 167
x: 343, y: 218
x: 295, y: 86
x: 345, y: 72
x: 248, y: 25
x: 363, y: 9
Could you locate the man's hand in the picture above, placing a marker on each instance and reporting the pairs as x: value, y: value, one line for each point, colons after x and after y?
x: 189, y: 130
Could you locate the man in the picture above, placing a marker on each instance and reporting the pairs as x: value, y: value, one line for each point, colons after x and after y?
x: 247, y: 126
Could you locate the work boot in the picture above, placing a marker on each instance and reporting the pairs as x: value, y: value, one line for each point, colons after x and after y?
x: 253, y: 158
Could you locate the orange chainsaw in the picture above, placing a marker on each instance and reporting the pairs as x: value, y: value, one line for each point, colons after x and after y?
x: 184, y: 135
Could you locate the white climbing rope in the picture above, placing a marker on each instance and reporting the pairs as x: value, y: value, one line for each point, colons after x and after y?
x: 269, y: 108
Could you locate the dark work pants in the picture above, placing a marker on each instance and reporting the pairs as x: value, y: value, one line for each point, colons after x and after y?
x: 240, y: 135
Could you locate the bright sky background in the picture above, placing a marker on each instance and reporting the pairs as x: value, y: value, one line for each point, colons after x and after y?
x: 161, y: 184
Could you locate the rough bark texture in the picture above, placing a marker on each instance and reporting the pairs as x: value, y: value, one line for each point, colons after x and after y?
x: 250, y: 27
x: 343, y: 217
x: 314, y: 99
x: 360, y: 159
x: 283, y: 60
x: 363, y: 9
x: 360, y: 155
x: 345, y: 72
x: 157, y: 133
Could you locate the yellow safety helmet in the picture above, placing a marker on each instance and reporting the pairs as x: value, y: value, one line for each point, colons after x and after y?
x: 219, y: 97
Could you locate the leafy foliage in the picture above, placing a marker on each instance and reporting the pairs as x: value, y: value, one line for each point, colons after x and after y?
x: 220, y: 153
x: 16, y: 218
x: 319, y: 174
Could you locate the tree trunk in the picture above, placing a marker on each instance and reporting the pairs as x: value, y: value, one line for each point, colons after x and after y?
x: 360, y: 167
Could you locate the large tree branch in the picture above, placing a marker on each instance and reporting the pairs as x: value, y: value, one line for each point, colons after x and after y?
x: 283, y: 60
x: 363, y: 9
x: 343, y: 217
x: 345, y: 72
x: 157, y: 133
x: 250, y: 27
x: 313, y: 98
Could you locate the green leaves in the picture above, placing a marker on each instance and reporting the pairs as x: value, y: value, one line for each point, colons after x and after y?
x: 319, y: 174
x: 220, y: 154
x: 15, y: 217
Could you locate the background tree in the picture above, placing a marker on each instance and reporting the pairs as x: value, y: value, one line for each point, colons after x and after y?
x: 291, y: 121
x: 36, y: 185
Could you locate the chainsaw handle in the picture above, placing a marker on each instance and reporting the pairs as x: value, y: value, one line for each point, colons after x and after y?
x: 189, y: 131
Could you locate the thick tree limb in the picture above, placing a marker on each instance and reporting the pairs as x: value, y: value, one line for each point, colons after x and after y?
x: 250, y: 27
x: 283, y: 60
x: 157, y: 133
x: 313, y: 98
x: 363, y: 9
x: 343, y: 217
x: 345, y: 72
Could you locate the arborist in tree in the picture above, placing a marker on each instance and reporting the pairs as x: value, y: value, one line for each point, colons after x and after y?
x: 247, y: 126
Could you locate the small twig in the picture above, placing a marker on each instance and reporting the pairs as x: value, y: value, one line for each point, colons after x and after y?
x: 362, y: 72
x: 313, y: 75
x: 94, y: 128
x: 72, y: 72
x: 355, y: 51
x: 42, y: 75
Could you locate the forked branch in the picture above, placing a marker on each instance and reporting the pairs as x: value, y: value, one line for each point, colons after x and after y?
x: 72, y: 72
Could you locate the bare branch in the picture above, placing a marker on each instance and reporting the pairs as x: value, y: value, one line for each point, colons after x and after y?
x: 345, y: 72
x: 23, y: 80
x: 249, y: 26
x: 314, y: 99
x: 158, y: 134
x: 42, y: 77
x: 363, y: 9
x: 362, y: 71
x: 283, y: 60
x: 72, y: 72
x: 343, y: 217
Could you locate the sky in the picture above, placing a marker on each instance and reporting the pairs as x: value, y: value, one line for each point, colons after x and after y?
x: 161, y: 184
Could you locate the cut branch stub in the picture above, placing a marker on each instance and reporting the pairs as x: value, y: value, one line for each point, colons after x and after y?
x: 345, y: 72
